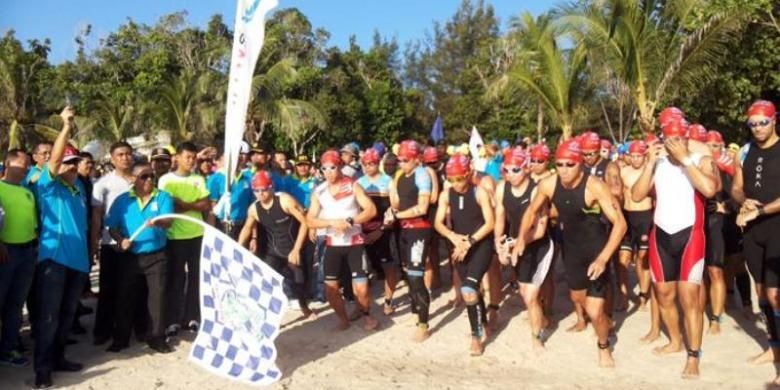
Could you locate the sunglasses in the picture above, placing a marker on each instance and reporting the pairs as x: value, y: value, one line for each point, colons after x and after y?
x: 513, y: 170
x: 538, y: 161
x: 456, y: 179
x: 146, y: 176
x: 762, y: 123
x: 328, y: 168
x: 567, y: 165
x: 258, y: 190
x: 590, y: 154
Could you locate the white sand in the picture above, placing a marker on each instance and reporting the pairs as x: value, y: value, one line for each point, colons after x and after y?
x: 312, y: 356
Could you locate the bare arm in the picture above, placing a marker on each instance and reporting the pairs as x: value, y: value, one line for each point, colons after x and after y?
x: 55, y: 160
x: 292, y: 207
x: 483, y: 199
x: 610, y: 207
x: 738, y: 185
x: 543, y: 194
x: 249, y: 227
x: 705, y: 177
x: 202, y: 205
x: 97, y: 229
x: 434, y: 185
x: 440, y: 220
x: 641, y: 188
x: 313, y: 221
x: 366, y: 204
x: 499, y: 228
x: 614, y: 181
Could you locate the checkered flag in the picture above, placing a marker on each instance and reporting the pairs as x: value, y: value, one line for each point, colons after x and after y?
x: 241, y: 305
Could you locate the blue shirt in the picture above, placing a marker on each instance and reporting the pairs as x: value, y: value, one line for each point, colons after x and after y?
x: 63, y: 210
x: 493, y: 167
x: 381, y: 187
x: 27, y: 182
x: 301, y: 189
x: 241, y: 195
x: 128, y: 213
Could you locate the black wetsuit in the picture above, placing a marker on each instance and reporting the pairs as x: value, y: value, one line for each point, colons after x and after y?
x: 535, y: 263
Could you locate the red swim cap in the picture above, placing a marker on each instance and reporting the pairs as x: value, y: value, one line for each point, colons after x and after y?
x: 569, y: 150
x: 697, y: 132
x: 668, y: 114
x: 262, y: 181
x: 590, y: 141
x: 762, y: 107
x: 540, y: 152
x: 430, y: 155
x: 457, y: 165
x: 675, y: 128
x: 713, y: 136
x: 408, y: 150
x: 331, y: 157
x: 515, y: 157
x: 370, y: 156
x: 637, y: 147
x: 605, y: 144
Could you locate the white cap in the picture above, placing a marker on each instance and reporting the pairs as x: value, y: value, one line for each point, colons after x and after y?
x: 244, y: 148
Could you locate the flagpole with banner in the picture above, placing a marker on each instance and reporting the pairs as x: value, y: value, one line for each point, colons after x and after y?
x: 475, y: 148
x: 248, y: 39
x: 242, y: 303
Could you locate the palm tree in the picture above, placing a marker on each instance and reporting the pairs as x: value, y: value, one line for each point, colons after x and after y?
x: 656, y: 47
x: 193, y: 103
x: 298, y: 120
x: 554, y: 75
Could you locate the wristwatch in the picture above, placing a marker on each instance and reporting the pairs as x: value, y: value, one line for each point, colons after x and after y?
x: 761, y: 210
x: 350, y: 221
x: 472, y: 240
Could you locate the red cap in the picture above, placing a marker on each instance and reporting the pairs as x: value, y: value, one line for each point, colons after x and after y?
x: 515, y: 157
x: 70, y: 153
x: 569, y: 150
x: 262, y: 181
x: 675, y: 128
x: 605, y: 144
x: 430, y: 155
x: 651, y: 139
x: 540, y: 152
x: 637, y: 147
x: 408, y: 149
x: 370, y: 156
x: 697, y: 132
x: 714, y: 137
x: 331, y: 157
x: 457, y: 165
x: 590, y: 141
x: 669, y: 114
x: 762, y: 107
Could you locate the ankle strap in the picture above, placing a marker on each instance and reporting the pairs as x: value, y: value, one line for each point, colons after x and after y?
x: 695, y: 353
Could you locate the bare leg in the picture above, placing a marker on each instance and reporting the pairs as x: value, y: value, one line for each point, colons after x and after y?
x: 655, y: 320
x: 595, y: 309
x: 578, y: 298
x: 391, y: 281
x: 717, y: 297
x: 337, y: 303
x: 492, y: 283
x: 530, y: 295
x: 456, y: 301
x: 694, y: 324
x: 621, y: 296
x: 644, y: 278
x: 666, y: 294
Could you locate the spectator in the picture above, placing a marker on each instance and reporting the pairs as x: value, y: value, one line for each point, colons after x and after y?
x: 161, y: 162
x: 241, y: 195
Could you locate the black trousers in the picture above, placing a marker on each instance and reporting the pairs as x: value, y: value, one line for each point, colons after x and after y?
x: 142, y: 274
x: 108, y: 280
x: 182, y: 303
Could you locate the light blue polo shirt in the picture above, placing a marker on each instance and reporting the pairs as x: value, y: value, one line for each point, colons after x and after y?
x: 241, y: 195
x: 128, y: 213
x: 27, y: 182
x: 63, y: 210
x: 301, y: 189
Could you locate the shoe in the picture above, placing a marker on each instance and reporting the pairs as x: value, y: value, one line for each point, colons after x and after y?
x: 193, y: 326
x: 43, y: 380
x: 160, y: 346
x: 100, y: 340
x: 68, y: 366
x: 116, y: 347
x: 14, y: 359
x: 172, y: 330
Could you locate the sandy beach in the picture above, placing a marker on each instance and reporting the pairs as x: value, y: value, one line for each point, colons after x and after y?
x: 313, y: 356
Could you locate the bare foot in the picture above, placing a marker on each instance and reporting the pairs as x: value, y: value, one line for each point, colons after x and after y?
x: 714, y: 328
x: 668, y: 349
x: 342, y: 326
x: 536, y: 344
x: 605, y: 358
x: 388, y: 309
x: 691, y: 370
x: 421, y: 334
x: 370, y: 323
x: 651, y: 336
x: 308, y: 313
x: 767, y: 356
x: 476, y: 348
x: 578, y: 327
x: 643, y: 306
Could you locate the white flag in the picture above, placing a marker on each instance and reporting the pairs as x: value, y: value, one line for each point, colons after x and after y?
x: 475, y: 145
x: 248, y: 40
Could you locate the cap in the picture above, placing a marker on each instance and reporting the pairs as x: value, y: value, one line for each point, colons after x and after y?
x: 714, y: 136
x: 569, y: 150
x: 590, y: 141
x: 457, y: 165
x: 380, y: 147
x: 651, y: 139
x: 70, y: 154
x: 505, y: 144
x: 762, y: 107
x: 302, y: 160
x: 515, y: 157
x: 637, y: 147
x: 350, y: 148
x: 605, y: 144
x: 160, y: 154
x: 260, y: 147
x: 623, y: 148
x: 430, y: 155
x: 734, y: 147
x: 668, y: 114
x: 540, y: 152
x: 675, y: 128
x: 330, y: 157
x: 370, y: 156
x: 697, y: 132
x: 262, y: 181
x: 408, y: 149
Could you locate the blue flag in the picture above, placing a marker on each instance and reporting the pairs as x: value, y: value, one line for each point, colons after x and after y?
x: 437, y: 132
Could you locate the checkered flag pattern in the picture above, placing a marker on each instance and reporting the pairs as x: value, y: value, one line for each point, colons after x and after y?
x: 241, y: 305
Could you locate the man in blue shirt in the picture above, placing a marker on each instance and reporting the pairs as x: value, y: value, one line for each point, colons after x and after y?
x: 241, y: 197
x: 147, y: 261
x: 63, y: 257
x: 300, y: 186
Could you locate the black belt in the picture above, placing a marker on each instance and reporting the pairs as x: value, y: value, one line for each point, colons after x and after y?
x: 26, y: 245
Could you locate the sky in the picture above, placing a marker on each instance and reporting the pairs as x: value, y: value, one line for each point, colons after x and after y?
x: 405, y: 20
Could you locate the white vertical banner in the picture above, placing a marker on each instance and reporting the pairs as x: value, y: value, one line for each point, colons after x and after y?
x: 248, y: 38
x: 475, y: 147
